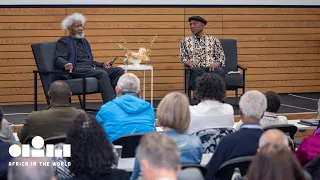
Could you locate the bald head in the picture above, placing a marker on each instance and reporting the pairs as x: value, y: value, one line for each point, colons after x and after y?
x: 273, y: 136
x: 59, y: 92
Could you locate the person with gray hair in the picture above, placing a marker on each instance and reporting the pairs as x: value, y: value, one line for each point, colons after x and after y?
x: 245, y: 141
x: 73, y: 54
x: 273, y: 136
x: 159, y: 157
x: 128, y: 113
x: 36, y: 171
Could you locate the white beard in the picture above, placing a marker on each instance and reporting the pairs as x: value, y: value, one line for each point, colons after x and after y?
x: 79, y: 36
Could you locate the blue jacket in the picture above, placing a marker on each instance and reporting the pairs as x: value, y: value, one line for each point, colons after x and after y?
x: 126, y: 115
x: 5, y: 157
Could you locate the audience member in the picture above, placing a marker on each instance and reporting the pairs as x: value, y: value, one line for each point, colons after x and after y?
x: 54, y: 121
x: 174, y: 116
x: 309, y: 148
x: 73, y: 54
x: 245, y: 141
x: 273, y: 136
x: 127, y: 114
x: 210, y: 112
x: 6, y: 132
x: 5, y: 157
x: 92, y: 155
x: 31, y: 172
x: 158, y: 156
x: 270, y: 117
x: 276, y: 162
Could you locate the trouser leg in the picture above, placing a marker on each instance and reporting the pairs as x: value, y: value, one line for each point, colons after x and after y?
x: 106, y: 89
x: 195, y: 73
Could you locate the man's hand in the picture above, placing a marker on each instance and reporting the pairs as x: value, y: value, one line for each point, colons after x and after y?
x: 214, y: 65
x: 68, y: 67
x: 107, y: 64
x: 217, y: 64
x: 211, y: 68
x: 188, y: 64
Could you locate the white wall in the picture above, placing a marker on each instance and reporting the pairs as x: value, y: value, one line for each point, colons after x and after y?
x: 160, y: 2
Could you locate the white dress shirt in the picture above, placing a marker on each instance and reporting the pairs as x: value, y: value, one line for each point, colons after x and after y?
x: 210, y: 114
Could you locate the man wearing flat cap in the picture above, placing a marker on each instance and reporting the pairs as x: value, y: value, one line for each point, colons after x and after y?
x: 200, y: 52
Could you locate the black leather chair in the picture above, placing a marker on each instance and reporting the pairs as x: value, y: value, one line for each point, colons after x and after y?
x: 28, y: 140
x: 313, y: 168
x: 55, y: 139
x: 226, y: 169
x: 44, y: 57
x: 129, y: 144
x: 286, y: 128
x: 198, y: 166
x: 233, y: 81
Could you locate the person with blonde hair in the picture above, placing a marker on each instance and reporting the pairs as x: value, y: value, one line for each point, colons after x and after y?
x: 73, y: 54
x: 174, y: 116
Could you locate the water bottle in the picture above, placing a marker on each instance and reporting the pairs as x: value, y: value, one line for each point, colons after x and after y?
x: 236, y: 174
x: 291, y: 142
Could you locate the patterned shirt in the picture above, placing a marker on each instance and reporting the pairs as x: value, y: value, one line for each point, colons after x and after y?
x: 203, y: 52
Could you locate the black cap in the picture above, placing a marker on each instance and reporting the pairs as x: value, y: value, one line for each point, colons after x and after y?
x: 198, y: 18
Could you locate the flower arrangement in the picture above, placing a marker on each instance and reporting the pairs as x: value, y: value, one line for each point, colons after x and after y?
x: 136, y: 57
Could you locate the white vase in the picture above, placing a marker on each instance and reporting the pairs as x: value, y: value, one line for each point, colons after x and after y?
x: 136, y: 62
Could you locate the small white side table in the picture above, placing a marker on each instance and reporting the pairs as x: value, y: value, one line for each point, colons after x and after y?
x: 143, y: 68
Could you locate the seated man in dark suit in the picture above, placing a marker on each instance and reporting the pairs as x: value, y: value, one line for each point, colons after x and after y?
x: 54, y: 121
x: 73, y: 53
x: 245, y: 141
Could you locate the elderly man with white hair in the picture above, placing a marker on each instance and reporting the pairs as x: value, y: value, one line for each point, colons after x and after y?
x: 127, y: 114
x: 245, y: 141
x: 73, y: 54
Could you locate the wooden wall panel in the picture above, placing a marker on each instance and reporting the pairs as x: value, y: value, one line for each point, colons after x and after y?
x: 280, y: 46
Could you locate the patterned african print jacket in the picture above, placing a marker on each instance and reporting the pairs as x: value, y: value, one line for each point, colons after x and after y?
x: 203, y: 53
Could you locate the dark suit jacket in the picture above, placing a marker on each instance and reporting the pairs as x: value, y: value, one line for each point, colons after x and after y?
x: 241, y: 143
x: 54, y: 121
x: 5, y: 158
x: 63, y: 53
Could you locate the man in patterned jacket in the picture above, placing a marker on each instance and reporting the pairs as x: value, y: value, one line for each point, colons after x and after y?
x: 200, y: 52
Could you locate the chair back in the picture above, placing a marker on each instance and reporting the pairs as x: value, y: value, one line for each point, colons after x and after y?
x: 202, y: 169
x: 28, y: 140
x: 231, y: 52
x: 55, y: 139
x: 129, y: 144
x: 211, y: 137
x: 226, y: 169
x: 44, y: 53
x: 286, y: 128
x: 313, y: 168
